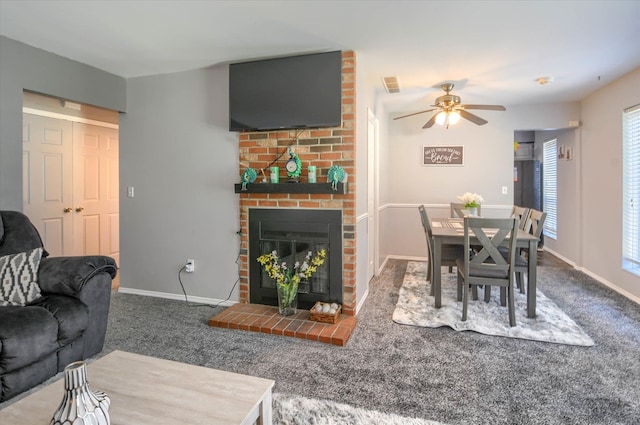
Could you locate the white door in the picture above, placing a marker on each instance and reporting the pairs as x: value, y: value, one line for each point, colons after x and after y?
x: 71, y: 185
x: 95, y: 195
x: 372, y: 135
x: 47, y: 175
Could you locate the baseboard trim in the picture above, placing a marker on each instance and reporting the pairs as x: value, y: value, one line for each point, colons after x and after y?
x: 565, y: 259
x: 362, y: 300
x: 178, y: 297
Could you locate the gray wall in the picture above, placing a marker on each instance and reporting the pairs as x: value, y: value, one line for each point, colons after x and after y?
x: 178, y: 154
x: 25, y: 67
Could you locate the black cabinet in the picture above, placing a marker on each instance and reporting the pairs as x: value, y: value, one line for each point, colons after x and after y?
x: 527, y: 185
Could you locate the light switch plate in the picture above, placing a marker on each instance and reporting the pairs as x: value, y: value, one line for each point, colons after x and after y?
x: 505, y: 190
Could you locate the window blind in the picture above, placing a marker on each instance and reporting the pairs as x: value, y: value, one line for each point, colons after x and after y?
x: 550, y: 187
x: 631, y: 190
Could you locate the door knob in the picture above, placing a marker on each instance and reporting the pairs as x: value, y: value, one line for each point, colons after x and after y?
x: 79, y: 209
x: 68, y: 209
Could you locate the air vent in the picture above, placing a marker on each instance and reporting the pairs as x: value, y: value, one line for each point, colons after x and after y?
x: 391, y: 84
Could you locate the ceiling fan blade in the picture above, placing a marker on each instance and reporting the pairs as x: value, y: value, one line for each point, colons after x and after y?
x: 415, y: 113
x: 473, y: 118
x: 431, y: 121
x: 486, y: 107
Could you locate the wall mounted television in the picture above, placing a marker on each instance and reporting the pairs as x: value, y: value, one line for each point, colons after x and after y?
x: 302, y: 91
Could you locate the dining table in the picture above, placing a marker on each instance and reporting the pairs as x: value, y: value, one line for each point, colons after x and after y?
x: 451, y: 231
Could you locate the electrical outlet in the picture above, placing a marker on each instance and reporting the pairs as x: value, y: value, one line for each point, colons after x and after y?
x: 190, y: 266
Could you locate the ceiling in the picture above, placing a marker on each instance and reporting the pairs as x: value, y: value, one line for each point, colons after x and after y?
x: 493, y: 50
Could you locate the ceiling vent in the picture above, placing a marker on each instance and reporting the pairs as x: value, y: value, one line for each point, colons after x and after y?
x: 391, y: 84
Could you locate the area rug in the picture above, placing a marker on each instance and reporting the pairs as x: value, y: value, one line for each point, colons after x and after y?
x: 416, y: 307
x: 296, y: 410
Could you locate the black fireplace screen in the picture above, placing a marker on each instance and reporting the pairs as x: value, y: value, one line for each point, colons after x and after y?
x: 292, y: 234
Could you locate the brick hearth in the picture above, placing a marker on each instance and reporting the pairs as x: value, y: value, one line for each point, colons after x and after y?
x: 267, y: 319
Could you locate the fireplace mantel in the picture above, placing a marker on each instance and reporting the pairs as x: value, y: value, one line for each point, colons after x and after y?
x: 341, y: 188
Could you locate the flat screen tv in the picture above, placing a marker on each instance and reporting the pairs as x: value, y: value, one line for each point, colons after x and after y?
x: 286, y: 93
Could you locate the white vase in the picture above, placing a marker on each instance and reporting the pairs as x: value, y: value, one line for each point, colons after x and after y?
x: 470, y: 212
x: 80, y: 405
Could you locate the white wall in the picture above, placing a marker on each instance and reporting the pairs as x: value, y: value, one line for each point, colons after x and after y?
x: 601, y: 176
x: 364, y: 101
x: 488, y: 165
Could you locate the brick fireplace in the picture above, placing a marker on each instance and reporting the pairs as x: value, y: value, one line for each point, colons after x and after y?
x: 323, y: 148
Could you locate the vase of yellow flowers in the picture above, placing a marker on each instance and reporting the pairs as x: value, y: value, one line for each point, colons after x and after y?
x: 287, y: 277
x: 471, y: 203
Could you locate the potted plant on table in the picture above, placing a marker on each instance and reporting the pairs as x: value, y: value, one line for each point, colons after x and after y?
x: 287, y: 277
x: 471, y: 202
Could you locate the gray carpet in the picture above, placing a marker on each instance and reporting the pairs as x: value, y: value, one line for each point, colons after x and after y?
x: 416, y: 307
x: 432, y: 374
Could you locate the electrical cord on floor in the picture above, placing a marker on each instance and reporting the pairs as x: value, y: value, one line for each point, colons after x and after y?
x: 186, y: 298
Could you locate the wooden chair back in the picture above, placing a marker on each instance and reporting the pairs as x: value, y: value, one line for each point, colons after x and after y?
x: 535, y: 223
x: 489, y: 267
x: 522, y: 215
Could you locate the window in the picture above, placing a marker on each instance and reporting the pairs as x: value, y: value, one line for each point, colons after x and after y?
x: 631, y: 190
x: 550, y: 187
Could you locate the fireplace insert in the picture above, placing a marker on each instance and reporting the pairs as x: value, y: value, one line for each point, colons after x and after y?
x: 292, y: 233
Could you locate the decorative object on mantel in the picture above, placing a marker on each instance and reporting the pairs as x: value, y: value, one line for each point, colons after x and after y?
x: 335, y: 175
x: 293, y: 166
x: 311, y: 174
x: 471, y: 203
x: 325, y: 312
x: 249, y: 176
x: 80, y: 405
x: 287, y: 277
x: 275, y: 174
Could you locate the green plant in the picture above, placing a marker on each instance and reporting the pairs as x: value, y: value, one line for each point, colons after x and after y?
x: 471, y: 200
x: 287, y: 276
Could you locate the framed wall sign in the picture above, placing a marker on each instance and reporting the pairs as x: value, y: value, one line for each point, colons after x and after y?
x: 443, y: 155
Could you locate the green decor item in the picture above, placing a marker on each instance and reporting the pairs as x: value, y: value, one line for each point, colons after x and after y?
x: 275, y: 174
x: 311, y: 173
x: 335, y: 175
x: 294, y: 165
x: 287, y: 276
x: 249, y: 176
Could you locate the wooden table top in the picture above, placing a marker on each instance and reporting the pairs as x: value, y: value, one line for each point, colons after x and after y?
x: 146, y: 390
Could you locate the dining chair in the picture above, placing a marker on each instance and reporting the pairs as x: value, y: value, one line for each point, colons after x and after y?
x: 449, y: 253
x: 534, y: 225
x: 456, y: 210
x: 522, y: 215
x: 488, y: 267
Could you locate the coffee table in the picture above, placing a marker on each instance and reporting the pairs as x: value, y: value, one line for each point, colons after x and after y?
x: 146, y: 390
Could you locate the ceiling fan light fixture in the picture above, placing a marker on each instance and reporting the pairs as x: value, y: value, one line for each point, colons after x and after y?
x: 454, y: 117
x: 447, y: 118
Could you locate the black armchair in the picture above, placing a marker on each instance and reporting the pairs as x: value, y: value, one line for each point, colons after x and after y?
x: 66, y: 323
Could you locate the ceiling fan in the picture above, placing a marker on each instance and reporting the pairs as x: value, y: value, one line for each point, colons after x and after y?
x: 450, y: 110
